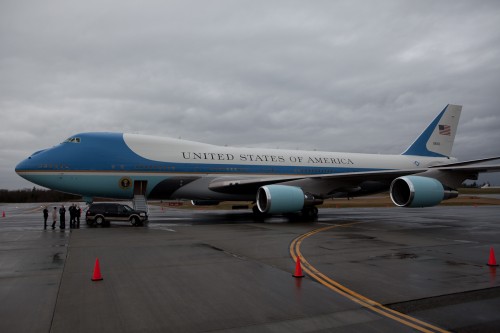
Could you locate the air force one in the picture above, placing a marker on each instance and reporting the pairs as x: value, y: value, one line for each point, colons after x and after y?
x: 140, y: 167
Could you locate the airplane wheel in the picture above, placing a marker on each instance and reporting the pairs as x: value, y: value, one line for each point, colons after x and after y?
x: 310, y: 212
x: 257, y: 214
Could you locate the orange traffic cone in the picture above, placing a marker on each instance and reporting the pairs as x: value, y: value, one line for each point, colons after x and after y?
x: 97, y: 271
x: 492, y: 261
x: 298, y: 270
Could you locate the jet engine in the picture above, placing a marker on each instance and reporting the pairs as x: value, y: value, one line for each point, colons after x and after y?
x: 284, y: 199
x: 418, y: 191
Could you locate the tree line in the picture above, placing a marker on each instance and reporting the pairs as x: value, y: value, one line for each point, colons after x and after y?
x: 35, y: 195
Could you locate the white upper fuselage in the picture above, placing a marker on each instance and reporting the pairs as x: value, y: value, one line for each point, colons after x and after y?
x: 182, y: 151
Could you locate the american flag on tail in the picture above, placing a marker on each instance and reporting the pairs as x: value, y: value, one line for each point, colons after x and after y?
x: 445, y: 129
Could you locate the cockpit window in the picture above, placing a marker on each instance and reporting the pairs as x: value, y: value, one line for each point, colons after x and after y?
x: 72, y: 140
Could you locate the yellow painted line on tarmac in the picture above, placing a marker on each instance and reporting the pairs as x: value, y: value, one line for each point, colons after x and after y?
x: 350, y: 294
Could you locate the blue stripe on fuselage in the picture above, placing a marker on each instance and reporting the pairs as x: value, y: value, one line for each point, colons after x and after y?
x: 109, y: 152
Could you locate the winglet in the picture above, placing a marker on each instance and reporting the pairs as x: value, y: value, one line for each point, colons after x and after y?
x: 437, y: 139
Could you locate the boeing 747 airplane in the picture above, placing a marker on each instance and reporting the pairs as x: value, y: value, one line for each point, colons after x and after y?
x: 128, y: 166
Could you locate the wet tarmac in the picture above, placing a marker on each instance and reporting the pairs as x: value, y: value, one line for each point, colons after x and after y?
x: 368, y: 270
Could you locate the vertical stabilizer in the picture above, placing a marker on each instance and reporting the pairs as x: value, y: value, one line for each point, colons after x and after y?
x: 437, y: 139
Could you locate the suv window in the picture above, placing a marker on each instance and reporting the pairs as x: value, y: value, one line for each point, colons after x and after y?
x: 124, y: 209
x: 112, y: 209
x: 97, y: 208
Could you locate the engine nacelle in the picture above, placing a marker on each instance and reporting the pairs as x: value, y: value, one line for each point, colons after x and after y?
x: 283, y: 199
x: 280, y: 199
x: 418, y: 191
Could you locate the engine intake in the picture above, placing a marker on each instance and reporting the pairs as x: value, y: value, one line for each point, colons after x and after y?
x: 418, y: 191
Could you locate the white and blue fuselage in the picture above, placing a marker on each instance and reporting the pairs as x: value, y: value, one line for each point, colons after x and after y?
x: 122, y: 166
x: 108, y: 164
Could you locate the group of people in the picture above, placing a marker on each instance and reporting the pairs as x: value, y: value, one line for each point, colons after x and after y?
x: 75, y: 212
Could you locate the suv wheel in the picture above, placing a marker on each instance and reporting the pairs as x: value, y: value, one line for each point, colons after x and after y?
x: 135, y: 221
x: 99, y: 220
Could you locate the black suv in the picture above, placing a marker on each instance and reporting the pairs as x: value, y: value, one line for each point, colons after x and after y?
x: 102, y: 213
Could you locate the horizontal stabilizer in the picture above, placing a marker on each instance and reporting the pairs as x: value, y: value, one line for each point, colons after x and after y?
x: 465, y: 163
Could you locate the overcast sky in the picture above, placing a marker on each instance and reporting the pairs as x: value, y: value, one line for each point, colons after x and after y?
x: 357, y: 76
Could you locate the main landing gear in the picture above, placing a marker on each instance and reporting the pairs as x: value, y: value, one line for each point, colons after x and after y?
x: 309, y: 213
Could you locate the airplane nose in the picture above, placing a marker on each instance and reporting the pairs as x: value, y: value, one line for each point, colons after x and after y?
x: 27, y: 164
x: 23, y: 166
x: 19, y: 167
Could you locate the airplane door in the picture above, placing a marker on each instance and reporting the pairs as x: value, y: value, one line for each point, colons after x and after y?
x: 140, y: 187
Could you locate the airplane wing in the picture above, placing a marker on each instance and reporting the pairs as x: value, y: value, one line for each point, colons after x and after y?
x: 251, y: 185
x: 235, y: 185
x: 343, y: 182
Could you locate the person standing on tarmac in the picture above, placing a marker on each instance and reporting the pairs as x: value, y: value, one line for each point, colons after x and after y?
x: 71, y: 216
x: 78, y: 213
x: 45, y: 216
x: 62, y: 217
x: 54, y: 217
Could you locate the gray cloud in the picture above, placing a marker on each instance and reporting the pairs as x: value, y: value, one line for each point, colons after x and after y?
x: 327, y: 75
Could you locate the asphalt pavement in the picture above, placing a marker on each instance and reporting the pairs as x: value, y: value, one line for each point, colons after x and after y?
x: 200, y: 271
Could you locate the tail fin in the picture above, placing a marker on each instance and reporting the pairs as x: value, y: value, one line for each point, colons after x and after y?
x: 437, y: 139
